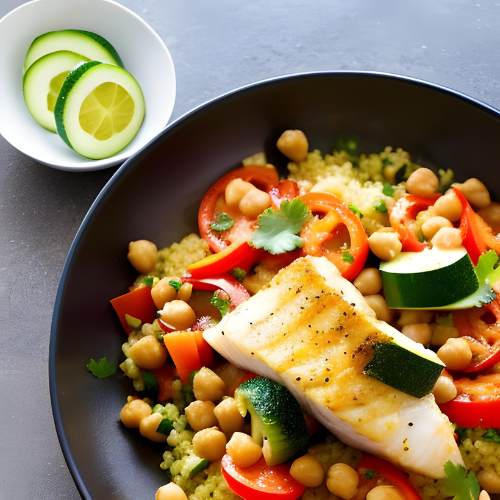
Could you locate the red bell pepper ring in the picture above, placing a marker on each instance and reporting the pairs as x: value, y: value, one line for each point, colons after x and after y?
x: 213, y: 202
x: 285, y: 190
x: 261, y: 482
x: 137, y: 304
x: 338, y: 221
x: 402, y: 218
x: 471, y: 237
x: 236, y: 255
x: 482, y: 337
x: 235, y: 290
x: 390, y: 472
x: 477, y: 403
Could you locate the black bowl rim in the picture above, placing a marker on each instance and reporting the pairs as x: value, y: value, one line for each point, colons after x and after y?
x: 112, y: 185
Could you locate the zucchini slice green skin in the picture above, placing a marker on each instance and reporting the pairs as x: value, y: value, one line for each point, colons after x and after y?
x: 432, y: 288
x: 86, y: 43
x: 277, y: 419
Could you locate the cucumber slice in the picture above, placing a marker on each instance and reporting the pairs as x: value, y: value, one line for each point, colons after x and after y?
x: 42, y: 84
x: 431, y: 279
x: 92, y: 46
x: 99, y: 110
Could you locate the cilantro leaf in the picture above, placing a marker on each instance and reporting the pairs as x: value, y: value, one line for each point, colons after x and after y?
x: 458, y: 484
x: 221, y: 304
x: 176, y: 284
x: 386, y: 162
x: 388, y: 190
x: 150, y: 382
x: 347, y: 257
x: 491, y: 435
x: 223, y: 223
x: 356, y: 211
x: 147, y: 280
x: 101, y: 369
x: 238, y: 273
x: 370, y: 474
x: 380, y: 206
x: 277, y: 230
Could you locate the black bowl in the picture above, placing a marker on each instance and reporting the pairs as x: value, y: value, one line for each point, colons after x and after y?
x: 155, y: 195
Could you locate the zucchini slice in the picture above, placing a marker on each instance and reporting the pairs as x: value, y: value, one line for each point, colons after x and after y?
x: 431, y: 279
x: 86, y: 43
x: 99, y: 110
x: 42, y: 84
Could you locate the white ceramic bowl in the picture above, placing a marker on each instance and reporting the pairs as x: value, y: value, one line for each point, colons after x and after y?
x: 143, y: 54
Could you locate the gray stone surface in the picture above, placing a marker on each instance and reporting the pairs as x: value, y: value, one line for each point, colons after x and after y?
x: 216, y: 45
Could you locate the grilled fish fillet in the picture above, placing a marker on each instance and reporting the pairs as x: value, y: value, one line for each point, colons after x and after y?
x: 302, y: 331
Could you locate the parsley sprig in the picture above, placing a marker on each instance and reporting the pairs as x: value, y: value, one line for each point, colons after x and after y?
x: 458, y: 484
x: 101, y: 369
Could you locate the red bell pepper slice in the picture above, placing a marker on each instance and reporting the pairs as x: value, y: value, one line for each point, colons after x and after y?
x: 390, y: 472
x: 477, y: 403
x: 261, y: 482
x: 240, y: 255
x: 205, y: 351
x: 402, y: 218
x: 285, y: 190
x: 183, y: 350
x: 471, y: 235
x: 339, y: 221
x: 483, y: 337
x: 235, y: 290
x: 137, y: 304
x: 165, y: 377
x: 213, y: 203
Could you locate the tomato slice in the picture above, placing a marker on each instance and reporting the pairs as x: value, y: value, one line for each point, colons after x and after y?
x: 321, y: 235
x: 482, y: 336
x: 285, y: 190
x: 213, y: 204
x: 137, y: 304
x: 477, y: 403
x: 240, y: 255
x: 471, y: 234
x: 391, y: 473
x: 261, y: 482
x: 402, y: 217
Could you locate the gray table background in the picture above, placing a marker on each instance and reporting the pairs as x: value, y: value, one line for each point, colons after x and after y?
x: 216, y: 45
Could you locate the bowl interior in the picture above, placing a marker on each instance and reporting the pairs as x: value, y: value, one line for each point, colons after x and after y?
x: 143, y: 53
x: 436, y: 126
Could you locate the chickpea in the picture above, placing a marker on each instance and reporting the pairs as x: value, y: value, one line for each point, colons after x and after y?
x: 170, y: 491
x: 475, y: 192
x: 412, y: 316
x: 163, y: 292
x: 178, y: 315
x: 230, y: 374
x: 455, y: 354
x: 209, y: 444
x: 308, y: 471
x: 369, y: 281
x: 254, y: 203
x: 342, y: 481
x: 207, y: 386
x: 489, y: 480
x: 419, y: 332
x: 447, y: 238
x: 229, y: 417
x: 484, y: 495
x: 491, y: 216
x: 385, y: 244
x: 449, y: 207
x: 444, y: 390
x: 441, y: 333
x: 433, y: 225
x: 243, y: 450
x: 148, y: 427
x: 143, y: 255
x: 185, y: 292
x: 379, y: 305
x: 293, y: 144
x: 200, y: 415
x: 148, y: 353
x: 385, y: 493
x: 236, y: 190
x: 133, y: 413
x: 423, y: 182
